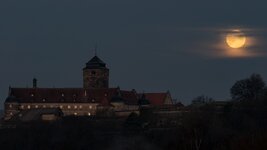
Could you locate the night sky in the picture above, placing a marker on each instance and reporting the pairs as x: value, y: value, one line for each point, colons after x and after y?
x: 150, y: 46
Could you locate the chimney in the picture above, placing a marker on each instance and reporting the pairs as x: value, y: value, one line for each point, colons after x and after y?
x: 9, y: 91
x: 34, y: 83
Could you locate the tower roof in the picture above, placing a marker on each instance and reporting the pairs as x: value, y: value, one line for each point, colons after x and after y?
x: 95, y: 63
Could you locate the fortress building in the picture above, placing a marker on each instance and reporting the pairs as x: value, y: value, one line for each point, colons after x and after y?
x: 96, y: 97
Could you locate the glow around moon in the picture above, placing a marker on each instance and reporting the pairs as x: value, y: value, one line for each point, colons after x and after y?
x: 236, y: 39
x: 236, y: 43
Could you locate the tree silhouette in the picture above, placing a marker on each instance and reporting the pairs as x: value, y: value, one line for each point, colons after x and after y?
x: 248, y: 89
x: 202, y: 100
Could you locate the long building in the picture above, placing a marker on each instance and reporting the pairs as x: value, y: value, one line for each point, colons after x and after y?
x: 95, y: 97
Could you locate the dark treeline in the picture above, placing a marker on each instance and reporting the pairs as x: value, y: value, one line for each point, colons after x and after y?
x: 240, y: 124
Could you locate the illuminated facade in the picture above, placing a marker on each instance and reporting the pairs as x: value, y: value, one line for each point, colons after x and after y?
x: 95, y: 96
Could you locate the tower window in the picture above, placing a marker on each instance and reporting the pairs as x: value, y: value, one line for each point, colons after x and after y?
x: 85, y: 93
x: 93, y: 72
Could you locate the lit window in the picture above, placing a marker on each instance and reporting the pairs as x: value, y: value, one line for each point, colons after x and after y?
x: 51, y: 106
x: 80, y: 106
x: 44, y: 100
x: 75, y: 107
x: 22, y: 106
x: 68, y: 106
x: 36, y: 106
x: 62, y: 95
x: 44, y: 106
x: 89, y: 114
x: 11, y: 113
x: 90, y: 107
x: 29, y: 107
x: 10, y: 106
x: 75, y: 113
x: 61, y: 106
x: 32, y: 95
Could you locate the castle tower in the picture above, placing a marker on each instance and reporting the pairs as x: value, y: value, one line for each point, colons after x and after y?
x: 95, y: 74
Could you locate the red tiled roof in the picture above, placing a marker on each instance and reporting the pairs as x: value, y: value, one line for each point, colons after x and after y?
x: 70, y: 95
x: 132, y: 97
x: 156, y: 98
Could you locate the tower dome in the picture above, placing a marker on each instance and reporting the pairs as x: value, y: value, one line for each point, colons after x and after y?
x: 95, y: 63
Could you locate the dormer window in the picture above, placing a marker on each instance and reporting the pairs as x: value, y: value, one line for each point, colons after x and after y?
x: 74, y: 97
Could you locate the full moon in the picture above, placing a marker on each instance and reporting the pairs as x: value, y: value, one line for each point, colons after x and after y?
x: 236, y: 39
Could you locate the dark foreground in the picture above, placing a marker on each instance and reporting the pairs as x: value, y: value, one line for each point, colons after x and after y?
x: 238, y: 126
